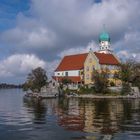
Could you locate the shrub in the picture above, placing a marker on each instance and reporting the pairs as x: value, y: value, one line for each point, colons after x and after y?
x: 101, y: 81
x: 112, y: 84
x: 126, y: 89
x: 86, y: 90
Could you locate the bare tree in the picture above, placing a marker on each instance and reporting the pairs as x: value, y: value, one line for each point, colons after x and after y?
x: 36, y: 79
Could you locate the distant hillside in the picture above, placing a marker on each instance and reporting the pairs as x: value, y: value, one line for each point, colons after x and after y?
x: 5, y: 86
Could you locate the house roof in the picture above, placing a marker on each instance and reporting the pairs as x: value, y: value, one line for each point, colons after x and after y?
x: 107, y: 59
x: 72, y: 62
x: 76, y: 62
x: 74, y: 79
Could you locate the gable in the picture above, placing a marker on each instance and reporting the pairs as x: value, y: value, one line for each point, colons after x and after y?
x: 94, y: 60
x: 91, y: 56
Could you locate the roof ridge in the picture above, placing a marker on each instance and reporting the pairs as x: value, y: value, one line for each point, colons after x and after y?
x: 103, y: 53
x: 75, y: 54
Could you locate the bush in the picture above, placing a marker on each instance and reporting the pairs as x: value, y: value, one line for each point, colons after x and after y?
x: 112, y: 84
x: 67, y: 91
x: 126, y: 89
x: 86, y: 90
x: 101, y: 81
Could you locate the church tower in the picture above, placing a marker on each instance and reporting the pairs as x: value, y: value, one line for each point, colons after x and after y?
x: 104, y: 42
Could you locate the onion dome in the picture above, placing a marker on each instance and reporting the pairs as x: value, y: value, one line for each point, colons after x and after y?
x: 104, y: 37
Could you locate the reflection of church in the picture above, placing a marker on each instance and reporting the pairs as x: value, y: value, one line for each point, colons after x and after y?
x: 74, y: 118
x: 102, y: 116
x: 92, y: 117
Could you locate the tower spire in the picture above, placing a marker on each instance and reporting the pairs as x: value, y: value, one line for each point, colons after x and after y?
x: 104, y: 41
x: 104, y: 27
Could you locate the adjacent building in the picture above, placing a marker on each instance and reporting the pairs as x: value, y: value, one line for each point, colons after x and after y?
x: 79, y: 68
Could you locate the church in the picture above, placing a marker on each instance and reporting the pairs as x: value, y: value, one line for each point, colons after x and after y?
x: 79, y: 67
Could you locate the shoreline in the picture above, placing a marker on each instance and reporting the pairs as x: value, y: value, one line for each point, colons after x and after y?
x: 107, y: 97
x: 85, y: 96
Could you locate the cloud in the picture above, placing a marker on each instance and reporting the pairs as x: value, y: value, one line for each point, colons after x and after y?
x: 128, y: 47
x: 29, y: 34
x: 19, y: 65
x: 60, y: 25
x: 85, y: 18
x: 91, y: 45
x: 51, y: 66
x: 126, y: 55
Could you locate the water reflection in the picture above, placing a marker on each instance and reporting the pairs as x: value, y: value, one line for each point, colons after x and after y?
x: 91, y: 116
x: 71, y: 115
x: 131, y: 120
x: 102, y: 116
x: 37, y: 108
x: 102, y: 119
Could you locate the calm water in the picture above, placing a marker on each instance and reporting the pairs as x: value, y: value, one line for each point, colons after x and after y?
x: 69, y: 119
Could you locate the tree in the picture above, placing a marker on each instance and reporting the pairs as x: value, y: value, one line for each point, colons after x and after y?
x: 126, y: 89
x: 125, y: 75
x: 135, y: 80
x: 101, y: 80
x: 66, y: 81
x: 126, y: 72
x: 36, y: 79
x: 129, y: 72
x: 116, y: 76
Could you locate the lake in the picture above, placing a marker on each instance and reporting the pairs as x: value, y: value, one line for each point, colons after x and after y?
x: 67, y: 119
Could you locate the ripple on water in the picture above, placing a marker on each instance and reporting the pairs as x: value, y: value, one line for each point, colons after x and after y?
x: 66, y: 119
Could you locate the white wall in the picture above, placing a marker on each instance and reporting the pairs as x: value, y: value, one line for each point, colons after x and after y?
x: 70, y: 73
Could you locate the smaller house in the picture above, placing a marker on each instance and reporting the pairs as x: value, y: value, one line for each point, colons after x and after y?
x: 72, y: 67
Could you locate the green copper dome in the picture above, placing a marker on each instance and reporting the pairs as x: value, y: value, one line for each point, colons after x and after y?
x: 104, y: 37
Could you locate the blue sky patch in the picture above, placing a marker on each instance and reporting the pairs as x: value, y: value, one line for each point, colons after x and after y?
x: 9, y: 10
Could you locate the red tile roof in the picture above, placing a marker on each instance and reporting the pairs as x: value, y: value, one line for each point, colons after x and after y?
x: 76, y: 62
x: 108, y: 59
x: 72, y: 62
x: 74, y: 79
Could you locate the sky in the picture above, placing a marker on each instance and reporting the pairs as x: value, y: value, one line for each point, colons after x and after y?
x: 40, y: 32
